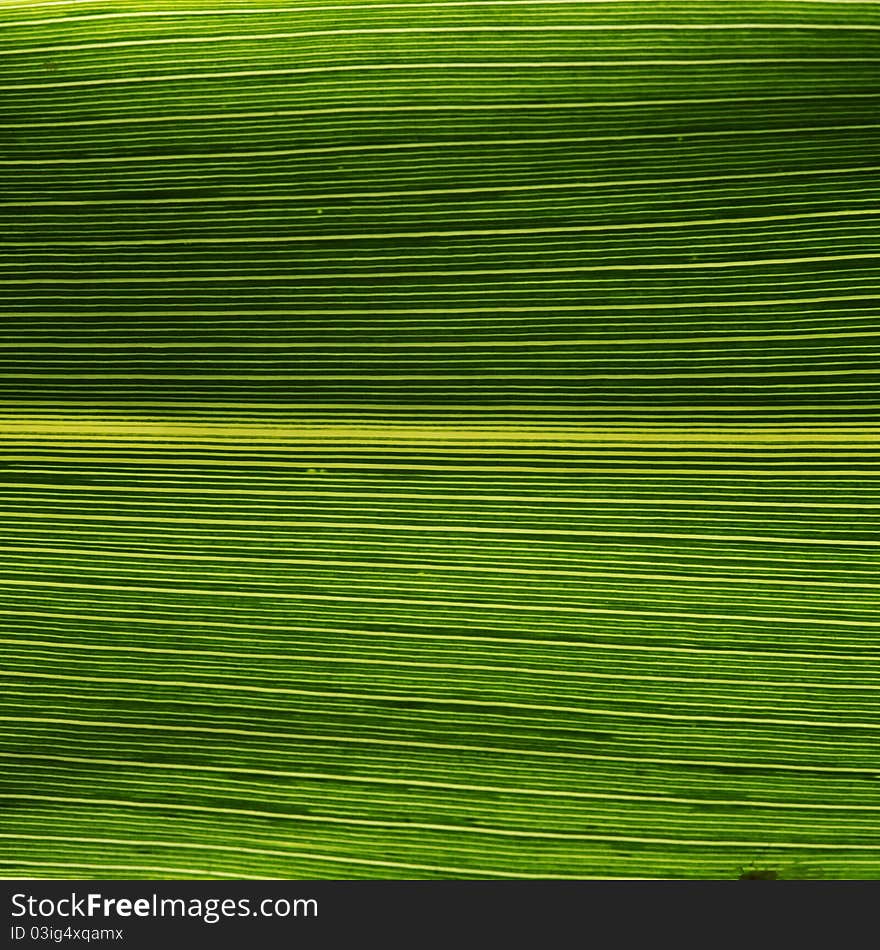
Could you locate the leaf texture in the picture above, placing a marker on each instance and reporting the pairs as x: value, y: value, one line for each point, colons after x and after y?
x: 439, y: 438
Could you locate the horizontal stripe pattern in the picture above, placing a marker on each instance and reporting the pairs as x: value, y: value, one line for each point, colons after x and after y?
x: 439, y: 439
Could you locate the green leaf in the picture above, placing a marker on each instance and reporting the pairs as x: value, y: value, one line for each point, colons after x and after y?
x: 439, y: 439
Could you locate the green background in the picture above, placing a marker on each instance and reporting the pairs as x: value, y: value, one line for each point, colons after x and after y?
x: 439, y: 439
